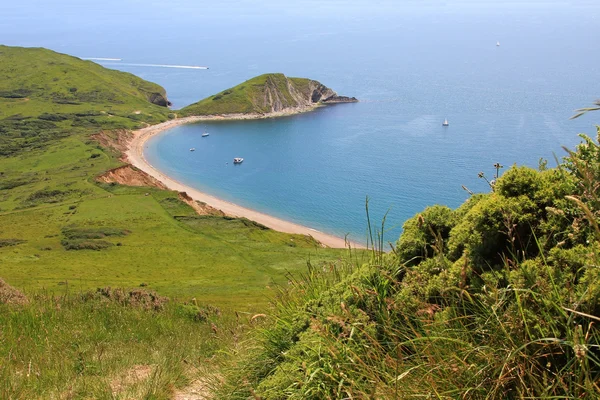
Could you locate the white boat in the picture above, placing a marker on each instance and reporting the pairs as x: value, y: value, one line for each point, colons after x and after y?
x: 238, y: 160
x: 193, y: 149
x: 205, y: 134
x: 445, y: 123
x: 498, y: 44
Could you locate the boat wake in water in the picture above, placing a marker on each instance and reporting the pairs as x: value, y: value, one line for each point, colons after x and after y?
x: 154, y: 65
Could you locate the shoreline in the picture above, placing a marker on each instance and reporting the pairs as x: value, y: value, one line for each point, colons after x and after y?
x: 135, y: 156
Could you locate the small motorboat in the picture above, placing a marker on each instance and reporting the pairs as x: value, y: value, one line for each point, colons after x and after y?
x: 497, y: 44
x: 238, y: 160
x: 193, y: 149
x: 205, y: 134
x: 445, y: 123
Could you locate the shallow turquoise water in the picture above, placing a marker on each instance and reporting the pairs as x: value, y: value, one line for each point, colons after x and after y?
x: 411, y: 65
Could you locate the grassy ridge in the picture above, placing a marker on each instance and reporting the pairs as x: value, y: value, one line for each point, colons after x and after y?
x: 38, y: 81
x: 256, y: 95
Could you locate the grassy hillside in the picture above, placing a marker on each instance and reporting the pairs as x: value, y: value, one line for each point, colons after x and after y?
x: 498, y: 299
x: 58, y: 225
x: 262, y: 94
x: 45, y: 95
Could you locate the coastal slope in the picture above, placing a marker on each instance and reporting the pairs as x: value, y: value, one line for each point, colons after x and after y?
x: 266, y: 94
x: 45, y: 95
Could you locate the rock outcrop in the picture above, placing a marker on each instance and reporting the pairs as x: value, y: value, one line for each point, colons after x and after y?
x: 340, y: 99
x: 159, y: 99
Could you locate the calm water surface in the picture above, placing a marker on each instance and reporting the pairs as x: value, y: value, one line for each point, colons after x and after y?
x: 411, y: 65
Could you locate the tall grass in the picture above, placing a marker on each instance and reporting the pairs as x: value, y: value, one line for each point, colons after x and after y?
x: 103, y: 346
x: 337, y: 335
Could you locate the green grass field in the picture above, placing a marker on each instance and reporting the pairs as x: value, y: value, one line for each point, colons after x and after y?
x: 105, y: 346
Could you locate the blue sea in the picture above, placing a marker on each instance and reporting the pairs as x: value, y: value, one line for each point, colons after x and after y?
x: 412, y: 64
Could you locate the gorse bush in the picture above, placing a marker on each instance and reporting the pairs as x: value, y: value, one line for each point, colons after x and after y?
x: 496, y: 299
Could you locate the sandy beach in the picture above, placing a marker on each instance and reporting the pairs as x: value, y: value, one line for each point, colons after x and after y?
x: 135, y: 155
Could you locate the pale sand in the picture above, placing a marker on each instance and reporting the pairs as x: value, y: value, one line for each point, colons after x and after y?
x: 135, y: 155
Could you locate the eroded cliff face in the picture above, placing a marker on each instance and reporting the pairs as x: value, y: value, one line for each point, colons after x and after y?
x: 282, y: 93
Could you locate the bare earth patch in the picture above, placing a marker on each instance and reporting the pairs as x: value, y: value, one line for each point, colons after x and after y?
x: 129, y: 175
x: 200, y: 207
x: 197, y: 390
x: 115, y: 140
x: 10, y: 295
x: 130, y: 378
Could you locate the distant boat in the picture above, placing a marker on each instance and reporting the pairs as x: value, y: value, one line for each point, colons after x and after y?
x: 445, y: 123
x: 205, y: 134
x: 193, y: 149
x: 238, y: 160
x: 498, y: 44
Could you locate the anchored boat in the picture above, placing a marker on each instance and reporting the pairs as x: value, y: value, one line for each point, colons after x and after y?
x: 445, y: 123
x: 238, y: 160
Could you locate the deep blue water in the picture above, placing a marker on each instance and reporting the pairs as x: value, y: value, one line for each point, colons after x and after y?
x: 411, y: 64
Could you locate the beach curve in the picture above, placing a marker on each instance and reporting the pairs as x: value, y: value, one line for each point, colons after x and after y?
x: 135, y: 156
